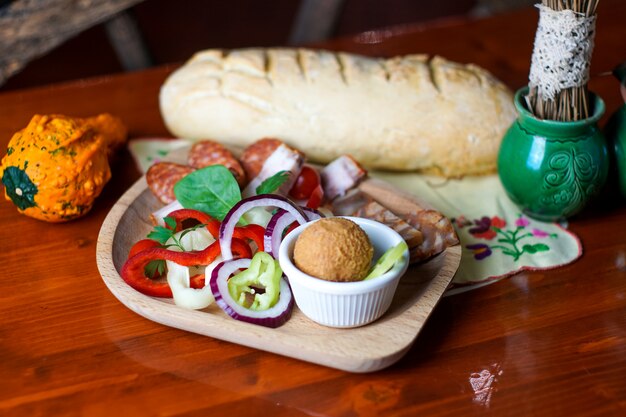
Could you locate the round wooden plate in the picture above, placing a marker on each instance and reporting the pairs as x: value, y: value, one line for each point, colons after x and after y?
x: 364, y: 349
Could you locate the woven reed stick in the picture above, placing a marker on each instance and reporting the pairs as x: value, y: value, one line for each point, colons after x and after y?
x: 570, y: 103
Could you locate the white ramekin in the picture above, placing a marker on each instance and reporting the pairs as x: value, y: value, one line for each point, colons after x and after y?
x: 345, y: 304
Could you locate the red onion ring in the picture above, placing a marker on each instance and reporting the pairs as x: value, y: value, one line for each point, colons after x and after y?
x: 277, y: 225
x: 232, y: 217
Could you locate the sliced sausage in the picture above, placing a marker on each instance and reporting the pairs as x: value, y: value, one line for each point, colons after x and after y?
x: 207, y: 153
x: 162, y: 176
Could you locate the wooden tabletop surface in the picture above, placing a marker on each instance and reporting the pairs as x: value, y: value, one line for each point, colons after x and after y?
x: 538, y: 343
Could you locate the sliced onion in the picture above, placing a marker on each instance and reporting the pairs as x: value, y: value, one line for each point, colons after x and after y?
x: 178, y: 276
x: 157, y: 216
x: 258, y: 215
x: 264, y: 200
x: 312, y: 214
x: 272, y: 317
x: 182, y: 293
x: 277, y: 225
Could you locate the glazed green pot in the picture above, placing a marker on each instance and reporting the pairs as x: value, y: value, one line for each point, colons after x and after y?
x: 552, y: 169
x: 616, y: 135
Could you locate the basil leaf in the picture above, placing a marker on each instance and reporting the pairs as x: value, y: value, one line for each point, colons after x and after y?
x: 273, y: 183
x: 212, y: 190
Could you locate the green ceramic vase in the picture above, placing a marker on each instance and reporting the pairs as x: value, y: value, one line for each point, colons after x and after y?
x: 552, y: 169
x: 616, y: 135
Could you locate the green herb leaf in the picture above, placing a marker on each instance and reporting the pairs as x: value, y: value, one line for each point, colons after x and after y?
x: 212, y: 190
x: 171, y: 222
x: 155, y: 268
x: 191, y: 229
x: 163, y: 234
x: 273, y: 183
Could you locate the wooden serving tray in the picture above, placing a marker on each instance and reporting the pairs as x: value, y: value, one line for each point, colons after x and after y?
x: 364, y: 349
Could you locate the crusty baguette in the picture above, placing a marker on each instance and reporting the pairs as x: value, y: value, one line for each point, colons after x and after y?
x: 405, y: 113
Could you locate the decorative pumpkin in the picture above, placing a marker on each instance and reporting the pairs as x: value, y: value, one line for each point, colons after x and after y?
x: 56, y: 167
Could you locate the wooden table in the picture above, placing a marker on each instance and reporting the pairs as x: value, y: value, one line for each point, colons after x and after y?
x: 541, y: 343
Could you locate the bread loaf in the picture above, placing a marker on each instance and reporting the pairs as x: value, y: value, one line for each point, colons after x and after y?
x: 406, y: 113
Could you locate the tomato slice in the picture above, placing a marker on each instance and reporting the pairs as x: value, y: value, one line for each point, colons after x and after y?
x: 305, y: 184
x: 316, y: 197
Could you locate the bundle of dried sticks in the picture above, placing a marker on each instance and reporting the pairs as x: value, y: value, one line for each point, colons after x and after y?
x: 571, y: 103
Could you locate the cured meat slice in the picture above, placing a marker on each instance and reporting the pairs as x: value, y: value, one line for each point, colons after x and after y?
x: 283, y: 158
x: 340, y: 176
x: 162, y: 176
x: 207, y: 153
x: 437, y: 229
x: 254, y: 156
x: 356, y: 203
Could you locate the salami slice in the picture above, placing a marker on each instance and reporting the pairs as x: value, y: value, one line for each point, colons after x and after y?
x: 207, y: 153
x: 162, y: 176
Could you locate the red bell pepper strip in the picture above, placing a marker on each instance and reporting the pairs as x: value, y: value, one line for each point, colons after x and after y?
x: 253, y: 232
x: 197, y: 281
x: 143, y: 244
x: 133, y: 270
x: 180, y: 215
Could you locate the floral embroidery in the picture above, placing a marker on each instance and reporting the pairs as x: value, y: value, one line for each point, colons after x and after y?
x: 481, y: 251
x: 508, y: 242
x: 159, y: 152
x: 541, y: 233
x: 522, y: 221
x: 486, y: 228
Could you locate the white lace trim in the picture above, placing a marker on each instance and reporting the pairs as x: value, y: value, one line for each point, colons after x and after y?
x: 562, y: 51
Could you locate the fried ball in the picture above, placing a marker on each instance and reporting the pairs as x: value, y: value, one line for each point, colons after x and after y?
x: 334, y: 249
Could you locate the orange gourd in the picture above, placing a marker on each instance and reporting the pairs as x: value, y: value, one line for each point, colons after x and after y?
x: 56, y: 167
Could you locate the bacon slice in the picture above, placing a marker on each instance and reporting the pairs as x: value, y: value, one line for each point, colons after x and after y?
x: 356, y: 203
x: 340, y: 176
x: 162, y: 176
x: 283, y: 158
x: 255, y: 155
x: 207, y: 153
x: 437, y: 229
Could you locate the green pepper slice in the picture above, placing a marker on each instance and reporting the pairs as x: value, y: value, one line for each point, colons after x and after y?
x: 258, y: 287
x: 388, y: 260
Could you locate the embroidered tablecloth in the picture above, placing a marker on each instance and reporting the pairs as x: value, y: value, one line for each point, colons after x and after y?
x: 497, y: 239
